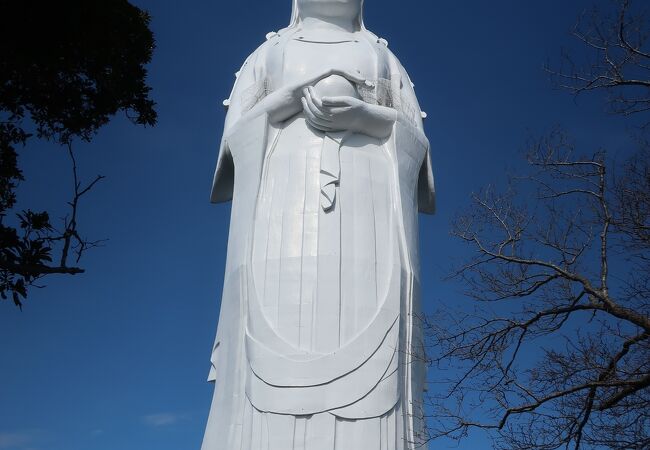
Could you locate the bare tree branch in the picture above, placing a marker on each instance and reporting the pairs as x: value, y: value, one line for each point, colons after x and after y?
x: 621, y: 60
x: 560, y: 284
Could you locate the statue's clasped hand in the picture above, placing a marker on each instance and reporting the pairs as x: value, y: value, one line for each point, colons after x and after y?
x: 329, y: 113
x: 346, y: 113
x: 285, y: 102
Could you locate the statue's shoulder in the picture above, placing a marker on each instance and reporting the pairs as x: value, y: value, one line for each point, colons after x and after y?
x: 382, y: 48
x: 394, y: 61
x: 262, y: 48
x: 259, y: 56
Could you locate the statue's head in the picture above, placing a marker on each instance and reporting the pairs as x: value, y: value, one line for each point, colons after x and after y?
x: 331, y: 9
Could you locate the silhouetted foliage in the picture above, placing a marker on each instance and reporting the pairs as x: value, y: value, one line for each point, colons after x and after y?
x: 67, y: 68
x: 556, y: 353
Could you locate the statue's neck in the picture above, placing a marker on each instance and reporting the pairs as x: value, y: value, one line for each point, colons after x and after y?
x: 329, y: 23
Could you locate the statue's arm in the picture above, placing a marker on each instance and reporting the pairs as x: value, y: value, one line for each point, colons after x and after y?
x: 224, y: 175
x: 410, y: 116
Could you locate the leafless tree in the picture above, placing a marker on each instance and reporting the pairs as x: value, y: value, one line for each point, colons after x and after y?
x: 556, y: 353
x: 560, y: 355
x: 617, y: 59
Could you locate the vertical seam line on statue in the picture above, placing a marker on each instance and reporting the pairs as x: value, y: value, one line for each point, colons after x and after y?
x: 302, y: 249
x: 267, y: 158
x: 374, y: 228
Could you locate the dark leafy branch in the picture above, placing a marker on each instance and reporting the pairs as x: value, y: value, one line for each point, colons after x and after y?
x: 67, y: 68
x: 27, y: 256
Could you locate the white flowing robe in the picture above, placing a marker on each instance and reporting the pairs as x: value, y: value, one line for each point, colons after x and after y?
x: 316, y: 335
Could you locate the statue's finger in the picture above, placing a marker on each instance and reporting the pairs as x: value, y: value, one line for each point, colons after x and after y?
x: 315, y: 110
x: 335, y: 110
x: 314, y: 97
x: 312, y: 119
x: 336, y: 101
x: 354, y: 77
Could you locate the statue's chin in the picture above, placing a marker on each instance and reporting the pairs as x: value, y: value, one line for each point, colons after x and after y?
x: 339, y: 9
x: 336, y: 86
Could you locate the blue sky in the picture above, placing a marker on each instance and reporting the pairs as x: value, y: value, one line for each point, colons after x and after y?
x: 117, y: 358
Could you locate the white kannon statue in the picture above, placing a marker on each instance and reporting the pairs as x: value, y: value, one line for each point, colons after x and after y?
x: 326, y: 164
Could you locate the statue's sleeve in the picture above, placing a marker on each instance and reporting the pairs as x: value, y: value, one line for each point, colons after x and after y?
x: 224, y: 175
x: 409, y: 106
